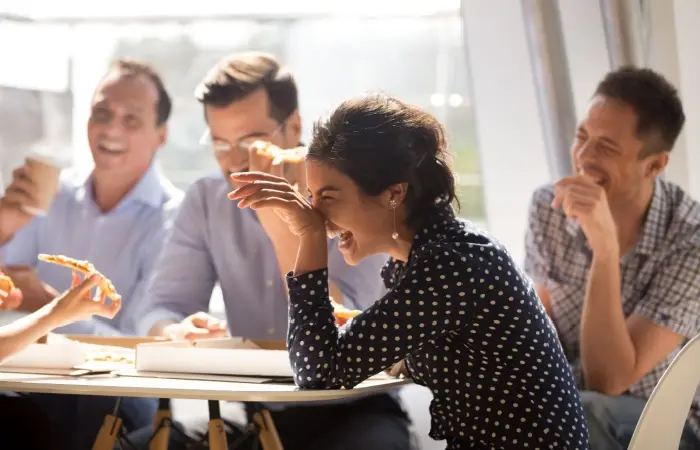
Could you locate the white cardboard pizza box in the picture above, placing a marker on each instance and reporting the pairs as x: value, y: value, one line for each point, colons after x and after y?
x: 226, y: 356
x: 64, y: 352
x: 59, y: 355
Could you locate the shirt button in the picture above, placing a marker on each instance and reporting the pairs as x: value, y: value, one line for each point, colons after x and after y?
x: 271, y: 331
x: 268, y: 283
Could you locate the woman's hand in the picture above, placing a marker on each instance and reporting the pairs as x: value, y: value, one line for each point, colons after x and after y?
x: 76, y: 304
x: 10, y: 296
x: 262, y: 190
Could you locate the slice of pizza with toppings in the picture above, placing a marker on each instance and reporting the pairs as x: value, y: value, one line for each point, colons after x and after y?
x: 343, y: 314
x: 86, y: 268
x: 276, y: 154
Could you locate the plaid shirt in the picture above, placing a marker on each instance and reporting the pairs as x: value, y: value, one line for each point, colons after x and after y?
x: 660, y: 275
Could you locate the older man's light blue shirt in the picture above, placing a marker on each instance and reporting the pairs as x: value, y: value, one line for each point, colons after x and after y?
x: 123, y: 244
x: 214, y: 241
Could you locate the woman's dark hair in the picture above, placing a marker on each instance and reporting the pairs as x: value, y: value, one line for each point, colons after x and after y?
x: 378, y: 141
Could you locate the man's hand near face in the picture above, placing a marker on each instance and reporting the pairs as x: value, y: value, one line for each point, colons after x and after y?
x: 584, y: 201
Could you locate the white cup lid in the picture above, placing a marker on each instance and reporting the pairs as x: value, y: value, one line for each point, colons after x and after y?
x: 52, y: 160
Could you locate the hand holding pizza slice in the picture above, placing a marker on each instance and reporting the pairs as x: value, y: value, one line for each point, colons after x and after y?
x: 77, y: 304
x: 276, y: 154
x: 105, y: 287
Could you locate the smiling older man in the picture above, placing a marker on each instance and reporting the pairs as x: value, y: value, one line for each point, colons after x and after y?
x: 117, y: 218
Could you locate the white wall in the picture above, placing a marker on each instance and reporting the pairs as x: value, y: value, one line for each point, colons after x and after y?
x: 91, y: 55
x: 587, y: 52
x: 687, y: 36
x: 508, y: 122
x: 664, y: 58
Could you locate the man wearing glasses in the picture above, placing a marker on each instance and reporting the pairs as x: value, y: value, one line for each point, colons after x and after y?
x: 250, y: 97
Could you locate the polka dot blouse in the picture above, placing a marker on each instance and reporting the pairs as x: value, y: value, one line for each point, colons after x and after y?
x: 467, y: 322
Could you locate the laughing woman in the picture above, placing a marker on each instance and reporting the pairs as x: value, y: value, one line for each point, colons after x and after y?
x: 460, y: 312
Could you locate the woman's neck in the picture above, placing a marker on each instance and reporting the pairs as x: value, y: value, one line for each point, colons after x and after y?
x: 400, y: 248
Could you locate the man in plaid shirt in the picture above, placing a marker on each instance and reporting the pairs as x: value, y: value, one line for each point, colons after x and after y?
x: 615, y: 255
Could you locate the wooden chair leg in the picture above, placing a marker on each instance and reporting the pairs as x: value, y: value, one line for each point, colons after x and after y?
x: 161, y: 426
x: 108, y: 435
x: 217, y: 430
x: 269, y: 437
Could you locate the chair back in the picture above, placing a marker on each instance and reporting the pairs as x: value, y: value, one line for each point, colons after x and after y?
x: 661, y: 424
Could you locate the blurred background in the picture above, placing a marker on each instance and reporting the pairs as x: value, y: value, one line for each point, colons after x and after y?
x: 508, y: 78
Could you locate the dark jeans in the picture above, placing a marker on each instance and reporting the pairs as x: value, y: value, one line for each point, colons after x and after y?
x: 24, y: 425
x: 76, y: 419
x: 612, y: 420
x: 372, y: 423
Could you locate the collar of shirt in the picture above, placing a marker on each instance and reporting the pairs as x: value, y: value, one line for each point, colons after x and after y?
x: 654, y: 227
x: 152, y: 190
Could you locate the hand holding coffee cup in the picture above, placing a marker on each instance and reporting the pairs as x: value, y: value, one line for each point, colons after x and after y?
x: 21, y: 193
x: 44, y: 175
x: 31, y: 192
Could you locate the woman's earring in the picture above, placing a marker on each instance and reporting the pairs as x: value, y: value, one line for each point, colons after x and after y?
x: 395, y: 234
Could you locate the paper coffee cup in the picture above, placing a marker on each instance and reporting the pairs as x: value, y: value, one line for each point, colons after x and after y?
x: 45, y: 173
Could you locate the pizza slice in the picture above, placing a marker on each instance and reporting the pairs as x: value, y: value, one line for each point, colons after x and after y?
x: 279, y: 155
x: 343, y: 314
x: 85, y: 268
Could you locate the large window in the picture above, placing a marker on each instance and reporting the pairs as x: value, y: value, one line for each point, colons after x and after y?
x: 420, y: 59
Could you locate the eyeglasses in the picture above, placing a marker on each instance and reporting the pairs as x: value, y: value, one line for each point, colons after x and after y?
x: 244, y: 145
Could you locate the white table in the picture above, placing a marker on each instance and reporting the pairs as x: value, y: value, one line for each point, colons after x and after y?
x: 169, y: 388
x: 117, y: 386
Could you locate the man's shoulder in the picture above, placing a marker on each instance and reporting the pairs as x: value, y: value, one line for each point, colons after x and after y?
x: 684, y: 216
x: 206, y: 202
x: 543, y: 195
x: 172, y: 195
x: 209, y: 188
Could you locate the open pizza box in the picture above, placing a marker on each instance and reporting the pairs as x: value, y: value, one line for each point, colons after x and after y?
x: 225, y: 359
x: 75, y: 355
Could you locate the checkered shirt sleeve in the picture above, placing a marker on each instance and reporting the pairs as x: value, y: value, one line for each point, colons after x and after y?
x: 537, y: 260
x: 673, y: 297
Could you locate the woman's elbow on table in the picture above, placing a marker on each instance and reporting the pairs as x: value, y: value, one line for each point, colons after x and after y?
x: 320, y: 374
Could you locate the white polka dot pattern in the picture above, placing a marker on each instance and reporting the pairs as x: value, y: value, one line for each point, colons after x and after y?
x: 470, y: 328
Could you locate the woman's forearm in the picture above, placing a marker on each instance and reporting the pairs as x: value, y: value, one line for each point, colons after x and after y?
x: 27, y: 330
x: 313, y: 252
